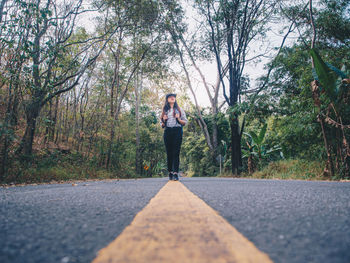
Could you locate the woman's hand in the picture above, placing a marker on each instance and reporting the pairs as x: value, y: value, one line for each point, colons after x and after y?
x: 177, y: 116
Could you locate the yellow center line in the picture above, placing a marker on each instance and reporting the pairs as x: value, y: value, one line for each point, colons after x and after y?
x: 177, y: 226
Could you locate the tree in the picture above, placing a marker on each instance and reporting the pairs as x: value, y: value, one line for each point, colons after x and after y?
x: 143, y: 30
x: 257, y: 148
x: 189, y: 50
x: 232, y: 27
x: 55, y: 60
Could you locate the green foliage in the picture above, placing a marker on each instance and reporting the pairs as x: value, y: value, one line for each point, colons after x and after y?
x: 337, y: 93
x: 56, y: 166
x: 284, y: 111
x: 256, y: 146
x: 238, y: 109
x: 325, y: 75
x: 196, y: 155
x: 291, y: 169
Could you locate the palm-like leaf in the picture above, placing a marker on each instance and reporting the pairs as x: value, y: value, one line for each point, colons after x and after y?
x: 273, y: 149
x: 339, y: 72
x: 325, y: 75
x: 245, y: 153
x: 262, y: 133
x: 254, y: 137
x: 247, y: 134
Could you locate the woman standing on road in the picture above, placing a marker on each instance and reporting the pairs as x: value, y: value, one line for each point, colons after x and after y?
x: 173, y: 118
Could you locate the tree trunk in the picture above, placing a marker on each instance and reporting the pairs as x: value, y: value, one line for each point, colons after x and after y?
x: 59, y: 127
x: 4, y: 157
x: 48, y: 126
x: 8, y: 124
x: 251, y: 166
x: 111, y: 139
x: 137, y: 119
x: 65, y: 128
x: 215, y: 133
x: 236, y: 156
x: 54, y: 120
x: 26, y: 146
x: 16, y: 103
x: 114, y: 105
x: 329, y: 164
x: 75, y: 126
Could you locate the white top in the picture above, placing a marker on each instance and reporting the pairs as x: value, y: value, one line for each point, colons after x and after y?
x: 171, y: 122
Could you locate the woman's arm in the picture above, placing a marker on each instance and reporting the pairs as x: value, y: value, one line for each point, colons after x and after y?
x: 183, y: 120
x: 162, y: 121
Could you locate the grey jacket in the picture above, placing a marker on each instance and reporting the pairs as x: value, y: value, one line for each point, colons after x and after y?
x: 171, y: 121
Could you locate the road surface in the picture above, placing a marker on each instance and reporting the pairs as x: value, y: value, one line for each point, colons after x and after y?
x: 290, y: 221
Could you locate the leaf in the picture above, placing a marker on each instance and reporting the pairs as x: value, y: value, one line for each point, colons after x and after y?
x: 281, y: 154
x: 254, y: 137
x: 324, y: 73
x: 245, y: 153
x: 273, y: 150
x: 337, y: 71
x: 314, y: 74
x: 247, y: 134
x: 262, y: 133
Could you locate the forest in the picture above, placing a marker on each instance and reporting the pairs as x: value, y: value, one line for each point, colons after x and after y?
x: 83, y: 85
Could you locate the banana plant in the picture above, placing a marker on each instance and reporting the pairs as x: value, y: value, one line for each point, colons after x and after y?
x: 330, y: 91
x: 331, y: 79
x: 257, y: 148
x: 257, y: 141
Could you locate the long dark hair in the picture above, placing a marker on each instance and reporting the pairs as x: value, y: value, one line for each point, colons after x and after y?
x: 166, y: 107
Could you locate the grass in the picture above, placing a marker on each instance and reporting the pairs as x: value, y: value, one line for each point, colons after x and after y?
x: 56, y: 167
x: 290, y: 169
x: 64, y: 168
x: 65, y: 173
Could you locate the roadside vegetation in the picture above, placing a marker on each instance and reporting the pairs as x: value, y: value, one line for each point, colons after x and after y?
x: 82, y: 103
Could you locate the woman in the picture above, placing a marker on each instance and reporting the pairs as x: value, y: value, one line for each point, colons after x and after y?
x: 173, y: 118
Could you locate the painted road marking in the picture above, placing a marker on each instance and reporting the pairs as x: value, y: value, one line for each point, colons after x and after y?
x: 177, y: 226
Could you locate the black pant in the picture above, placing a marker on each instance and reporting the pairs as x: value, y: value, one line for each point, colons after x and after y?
x: 172, y: 139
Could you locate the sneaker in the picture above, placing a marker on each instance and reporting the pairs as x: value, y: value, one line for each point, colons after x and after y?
x: 171, y: 176
x: 176, y: 177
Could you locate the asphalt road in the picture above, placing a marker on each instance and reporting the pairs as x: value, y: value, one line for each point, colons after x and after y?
x: 292, y: 221
x: 64, y: 223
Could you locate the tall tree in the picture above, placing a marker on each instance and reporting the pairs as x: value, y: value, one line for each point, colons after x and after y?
x: 232, y: 28
x: 184, y: 51
x: 144, y: 22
